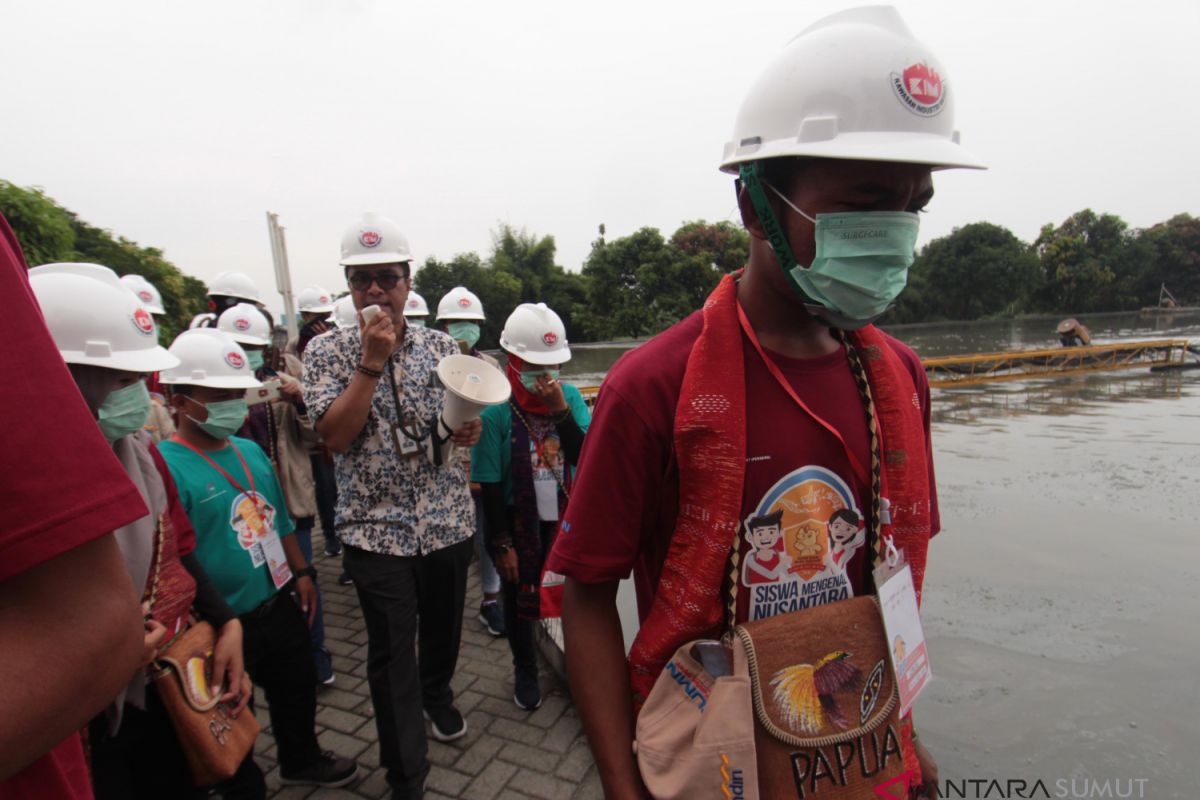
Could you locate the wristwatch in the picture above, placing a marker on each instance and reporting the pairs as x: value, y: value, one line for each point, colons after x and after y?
x: 307, y: 572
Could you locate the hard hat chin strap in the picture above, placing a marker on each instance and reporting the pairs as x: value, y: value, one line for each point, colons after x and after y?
x: 751, y: 175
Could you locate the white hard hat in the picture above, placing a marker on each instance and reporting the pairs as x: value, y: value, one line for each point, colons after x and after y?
x: 416, y: 307
x: 316, y: 300
x: 374, y: 239
x: 146, y: 292
x: 234, y: 284
x: 246, y: 324
x: 209, y: 357
x: 535, y: 334
x: 344, y: 315
x: 96, y: 320
x: 854, y: 85
x: 460, y: 303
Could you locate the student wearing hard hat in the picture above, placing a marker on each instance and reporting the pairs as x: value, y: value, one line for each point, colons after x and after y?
x: 225, y: 291
x: 280, y: 426
x: 110, y: 343
x: 315, y: 305
x: 525, y: 465
x: 760, y: 401
x: 460, y: 312
x: 416, y: 312
x: 405, y: 523
x: 244, y: 539
x: 159, y: 423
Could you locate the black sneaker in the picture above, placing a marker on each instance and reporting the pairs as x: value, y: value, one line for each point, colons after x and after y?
x: 447, y: 723
x: 327, y: 770
x: 345, y: 580
x: 492, y: 618
x: 333, y: 548
x: 527, y: 695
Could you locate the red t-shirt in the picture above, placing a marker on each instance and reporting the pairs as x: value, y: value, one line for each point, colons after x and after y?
x: 61, y: 486
x: 802, y: 508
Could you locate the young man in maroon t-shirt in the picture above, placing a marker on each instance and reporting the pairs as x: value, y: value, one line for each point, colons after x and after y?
x: 833, y: 170
x: 70, y: 627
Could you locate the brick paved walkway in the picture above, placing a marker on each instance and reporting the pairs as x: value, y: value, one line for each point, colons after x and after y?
x: 507, y: 753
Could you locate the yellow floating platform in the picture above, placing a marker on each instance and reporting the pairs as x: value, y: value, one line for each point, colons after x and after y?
x: 1017, y: 365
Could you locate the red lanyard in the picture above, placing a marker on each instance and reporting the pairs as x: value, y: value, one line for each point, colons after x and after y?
x: 776, y: 373
x: 252, y: 494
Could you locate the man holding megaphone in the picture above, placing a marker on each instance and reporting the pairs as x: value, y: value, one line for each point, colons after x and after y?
x: 405, y: 518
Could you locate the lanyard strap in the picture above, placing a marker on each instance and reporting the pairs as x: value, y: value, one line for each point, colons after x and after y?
x: 875, y: 542
x: 251, y: 493
x: 533, y: 437
x: 777, y: 374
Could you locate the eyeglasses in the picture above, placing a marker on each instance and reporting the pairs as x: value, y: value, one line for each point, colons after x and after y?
x: 361, y: 281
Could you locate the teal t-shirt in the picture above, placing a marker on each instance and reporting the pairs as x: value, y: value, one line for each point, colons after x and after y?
x: 224, y: 518
x: 491, y: 457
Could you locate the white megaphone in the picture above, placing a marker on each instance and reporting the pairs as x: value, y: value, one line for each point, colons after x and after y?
x: 471, y: 385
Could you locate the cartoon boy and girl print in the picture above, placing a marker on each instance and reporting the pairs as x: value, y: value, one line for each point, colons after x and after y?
x: 770, y: 562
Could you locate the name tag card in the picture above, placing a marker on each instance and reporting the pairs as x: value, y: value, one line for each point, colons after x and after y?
x: 906, y: 638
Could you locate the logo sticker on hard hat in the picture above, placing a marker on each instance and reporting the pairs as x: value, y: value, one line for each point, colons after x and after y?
x: 242, y: 324
x: 412, y: 303
x: 464, y: 302
x: 324, y: 299
x: 234, y: 359
x: 145, y: 296
x: 550, y: 338
x: 921, y: 90
x: 143, y: 321
x: 370, y: 238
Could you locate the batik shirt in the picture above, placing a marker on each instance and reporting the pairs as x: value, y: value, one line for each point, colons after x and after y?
x: 389, y: 503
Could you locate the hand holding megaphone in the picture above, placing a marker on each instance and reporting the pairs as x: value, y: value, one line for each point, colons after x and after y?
x: 471, y: 385
x: 378, y: 337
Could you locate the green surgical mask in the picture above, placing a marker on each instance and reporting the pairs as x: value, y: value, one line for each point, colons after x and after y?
x: 861, y: 262
x: 124, y: 411
x: 224, y: 418
x: 255, y: 359
x: 530, y: 379
x: 416, y: 323
x: 464, y: 332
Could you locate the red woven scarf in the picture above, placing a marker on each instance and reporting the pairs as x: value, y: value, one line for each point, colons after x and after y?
x: 710, y: 445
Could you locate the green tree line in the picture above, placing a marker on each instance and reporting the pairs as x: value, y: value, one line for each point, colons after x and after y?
x: 49, y: 233
x: 637, y: 285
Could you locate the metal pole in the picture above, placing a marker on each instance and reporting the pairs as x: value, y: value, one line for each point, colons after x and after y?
x: 283, y: 275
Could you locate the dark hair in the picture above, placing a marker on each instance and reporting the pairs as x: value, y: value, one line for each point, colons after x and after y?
x: 846, y: 515
x: 766, y: 520
x: 405, y: 268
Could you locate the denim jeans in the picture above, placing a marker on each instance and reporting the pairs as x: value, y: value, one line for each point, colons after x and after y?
x: 321, y: 657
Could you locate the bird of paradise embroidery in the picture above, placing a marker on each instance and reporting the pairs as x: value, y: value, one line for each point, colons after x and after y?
x: 805, y: 692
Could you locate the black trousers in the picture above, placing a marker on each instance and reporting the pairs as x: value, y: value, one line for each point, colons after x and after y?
x: 278, y: 656
x: 522, y: 636
x: 143, y: 760
x: 395, y: 592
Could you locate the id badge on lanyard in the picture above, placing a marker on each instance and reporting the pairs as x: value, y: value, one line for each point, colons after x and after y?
x: 902, y: 624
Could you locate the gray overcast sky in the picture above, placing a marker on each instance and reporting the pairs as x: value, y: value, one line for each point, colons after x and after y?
x: 179, y: 125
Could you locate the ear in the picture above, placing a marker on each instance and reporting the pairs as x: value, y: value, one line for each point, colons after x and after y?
x: 749, y: 215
